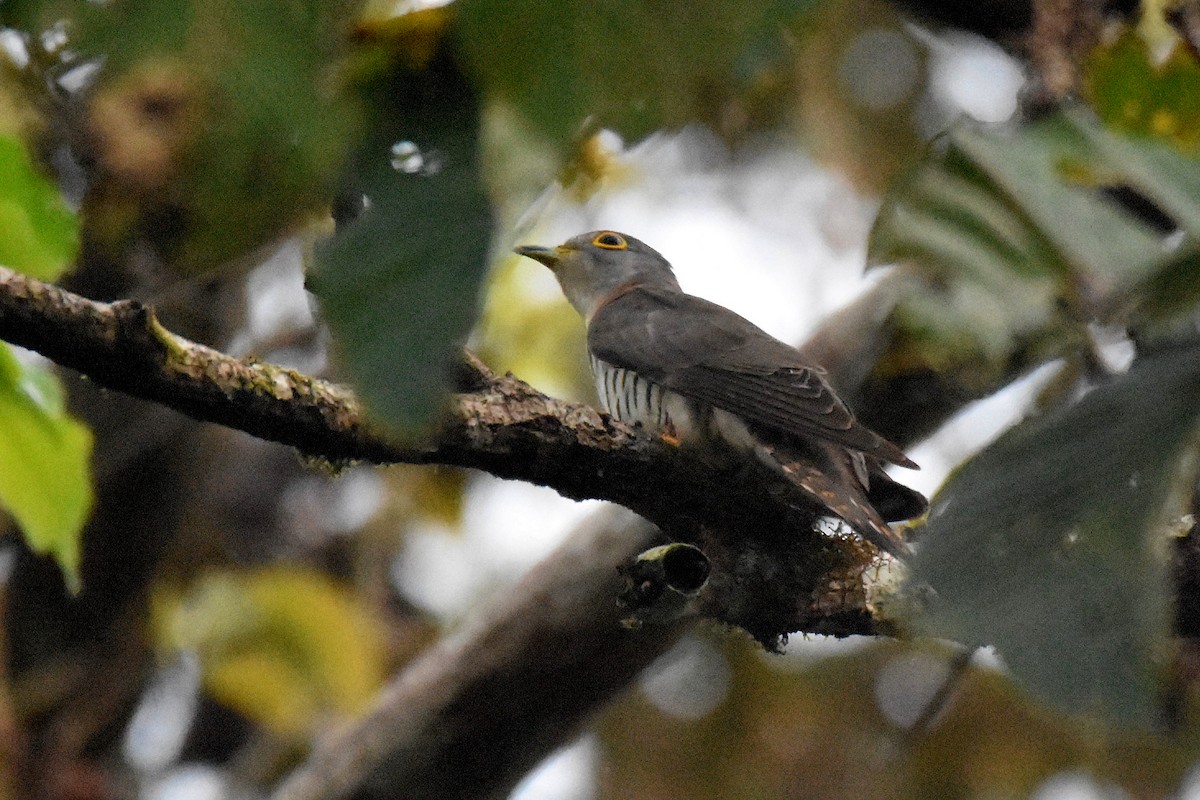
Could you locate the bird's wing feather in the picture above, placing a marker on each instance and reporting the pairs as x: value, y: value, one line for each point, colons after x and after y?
x: 838, y: 493
x: 707, y: 352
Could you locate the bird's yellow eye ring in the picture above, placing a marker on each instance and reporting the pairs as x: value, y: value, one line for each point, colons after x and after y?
x: 610, y: 241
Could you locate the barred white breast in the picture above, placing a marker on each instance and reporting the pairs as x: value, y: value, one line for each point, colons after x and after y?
x: 629, y: 397
x: 632, y: 399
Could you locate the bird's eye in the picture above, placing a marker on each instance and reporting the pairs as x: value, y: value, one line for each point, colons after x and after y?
x: 610, y: 241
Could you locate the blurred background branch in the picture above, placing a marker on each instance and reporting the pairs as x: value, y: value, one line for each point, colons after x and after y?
x: 523, y: 675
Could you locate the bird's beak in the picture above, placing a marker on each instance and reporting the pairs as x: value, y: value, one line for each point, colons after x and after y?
x: 550, y: 256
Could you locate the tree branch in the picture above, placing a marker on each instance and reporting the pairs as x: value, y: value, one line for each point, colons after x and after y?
x: 122, y: 346
x: 522, y: 677
x: 771, y: 573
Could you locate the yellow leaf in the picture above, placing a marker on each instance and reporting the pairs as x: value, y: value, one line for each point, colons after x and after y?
x: 285, y: 646
x: 265, y: 688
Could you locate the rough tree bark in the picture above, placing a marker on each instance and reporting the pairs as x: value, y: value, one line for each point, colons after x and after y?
x: 772, y: 574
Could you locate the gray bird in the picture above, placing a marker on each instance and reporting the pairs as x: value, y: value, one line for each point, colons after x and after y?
x: 699, y: 374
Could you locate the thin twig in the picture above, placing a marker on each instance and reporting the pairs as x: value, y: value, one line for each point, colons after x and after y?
x: 955, y: 673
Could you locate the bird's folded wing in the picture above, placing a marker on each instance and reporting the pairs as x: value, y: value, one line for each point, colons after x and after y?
x: 707, y: 352
x: 839, y: 496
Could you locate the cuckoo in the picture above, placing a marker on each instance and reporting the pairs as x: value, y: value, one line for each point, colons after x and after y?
x: 699, y: 374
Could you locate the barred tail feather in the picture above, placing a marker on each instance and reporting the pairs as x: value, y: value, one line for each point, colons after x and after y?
x: 843, y: 498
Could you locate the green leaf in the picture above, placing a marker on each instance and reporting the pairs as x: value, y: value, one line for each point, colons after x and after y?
x: 41, y: 235
x: 45, y: 455
x: 1137, y: 92
x: 1158, y: 171
x: 36, y: 16
x: 636, y: 67
x: 399, y: 285
x: 1050, y: 543
x: 1022, y: 240
x: 1170, y: 180
x: 1016, y: 204
x: 284, y: 646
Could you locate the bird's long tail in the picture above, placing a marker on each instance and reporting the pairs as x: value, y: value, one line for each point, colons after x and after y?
x: 838, y: 490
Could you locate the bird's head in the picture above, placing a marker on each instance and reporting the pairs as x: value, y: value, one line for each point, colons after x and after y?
x: 593, y: 267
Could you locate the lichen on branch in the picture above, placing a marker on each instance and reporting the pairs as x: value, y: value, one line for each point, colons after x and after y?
x: 772, y: 573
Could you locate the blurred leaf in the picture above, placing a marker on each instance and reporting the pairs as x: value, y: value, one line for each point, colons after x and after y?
x: 45, y: 463
x: 1016, y: 231
x: 400, y: 284
x: 1170, y: 181
x: 411, y: 36
x: 1154, y: 169
x: 997, y: 207
x: 216, y: 126
x: 267, y: 689
x: 439, y: 494
x: 283, y: 646
x: 41, y: 235
x: 636, y: 67
x: 35, y: 16
x: 19, y: 118
x: 1049, y: 544
x: 1137, y: 93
